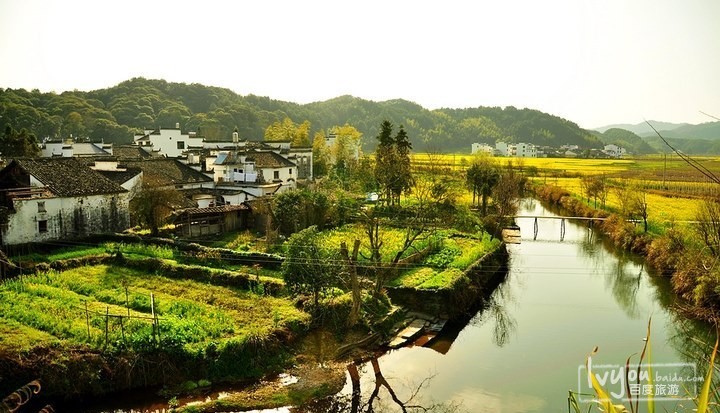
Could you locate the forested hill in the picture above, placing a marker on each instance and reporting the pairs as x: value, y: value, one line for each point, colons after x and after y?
x: 626, y: 139
x: 113, y: 114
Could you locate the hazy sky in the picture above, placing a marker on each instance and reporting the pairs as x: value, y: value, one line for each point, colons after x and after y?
x: 594, y: 62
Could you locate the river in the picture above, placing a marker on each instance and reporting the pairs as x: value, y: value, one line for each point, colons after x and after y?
x: 526, y: 348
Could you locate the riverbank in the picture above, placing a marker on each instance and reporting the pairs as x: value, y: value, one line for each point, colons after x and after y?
x: 324, y: 359
x: 134, y: 317
x: 463, y: 288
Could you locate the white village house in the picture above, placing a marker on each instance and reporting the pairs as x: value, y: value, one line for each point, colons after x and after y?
x: 482, y: 148
x: 519, y: 150
x: 614, y: 151
x: 256, y: 172
x: 168, y: 142
x: 256, y: 168
x: 50, y: 199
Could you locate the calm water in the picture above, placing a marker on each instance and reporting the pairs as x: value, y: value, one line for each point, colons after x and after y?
x: 522, y: 353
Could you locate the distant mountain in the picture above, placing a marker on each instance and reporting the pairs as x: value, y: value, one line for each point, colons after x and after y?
x: 688, y: 146
x: 114, y: 113
x: 642, y: 128
x: 626, y: 139
x: 707, y: 131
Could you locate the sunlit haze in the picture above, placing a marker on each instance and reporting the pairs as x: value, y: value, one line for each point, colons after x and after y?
x: 591, y: 61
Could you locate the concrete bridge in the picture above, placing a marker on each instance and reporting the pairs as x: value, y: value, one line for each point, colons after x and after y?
x: 562, y: 222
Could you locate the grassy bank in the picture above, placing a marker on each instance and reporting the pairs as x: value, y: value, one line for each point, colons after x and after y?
x: 447, y: 266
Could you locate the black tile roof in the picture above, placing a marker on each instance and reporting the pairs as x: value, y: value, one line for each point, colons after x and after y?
x: 66, y: 177
x: 131, y: 153
x: 164, y: 172
x: 269, y: 160
x: 120, y: 177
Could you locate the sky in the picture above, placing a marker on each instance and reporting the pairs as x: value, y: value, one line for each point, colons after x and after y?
x: 594, y: 62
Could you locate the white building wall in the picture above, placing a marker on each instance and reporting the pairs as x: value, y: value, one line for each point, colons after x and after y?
x: 525, y: 150
x: 66, y: 218
x: 238, y: 199
x: 482, y: 148
x: 166, y: 142
x: 502, y: 148
x: 286, y: 175
x: 614, y: 150
x: 51, y: 149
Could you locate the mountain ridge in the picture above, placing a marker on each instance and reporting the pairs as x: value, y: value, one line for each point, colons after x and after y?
x: 115, y: 113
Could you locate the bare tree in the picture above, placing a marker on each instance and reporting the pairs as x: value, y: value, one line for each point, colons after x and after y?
x: 624, y: 195
x: 708, y: 217
x: 640, y: 206
x: 595, y: 187
x: 506, y: 194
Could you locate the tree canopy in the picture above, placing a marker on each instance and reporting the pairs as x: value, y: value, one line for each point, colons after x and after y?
x: 15, y: 144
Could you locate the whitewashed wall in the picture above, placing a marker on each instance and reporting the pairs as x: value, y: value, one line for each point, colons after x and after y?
x: 66, y: 218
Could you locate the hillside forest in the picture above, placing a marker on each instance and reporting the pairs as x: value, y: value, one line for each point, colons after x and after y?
x: 115, y: 113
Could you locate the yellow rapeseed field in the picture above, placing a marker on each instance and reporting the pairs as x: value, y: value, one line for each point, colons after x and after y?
x: 675, y: 199
x: 661, y: 209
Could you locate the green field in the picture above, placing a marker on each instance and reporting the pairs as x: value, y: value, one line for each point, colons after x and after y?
x: 51, y: 308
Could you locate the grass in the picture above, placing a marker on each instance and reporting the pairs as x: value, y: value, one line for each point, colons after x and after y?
x: 238, y: 241
x: 80, y: 251
x: 442, y: 269
x: 62, y: 254
x: 392, y: 240
x: 16, y: 337
x: 51, y: 308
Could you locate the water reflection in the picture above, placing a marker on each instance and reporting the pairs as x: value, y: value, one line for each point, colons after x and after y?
x: 386, y: 395
x: 623, y: 279
x: 496, y: 311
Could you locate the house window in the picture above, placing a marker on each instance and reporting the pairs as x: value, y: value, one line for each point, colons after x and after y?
x: 290, y: 171
x: 276, y: 175
x: 181, y: 144
x: 41, y: 206
x: 42, y: 226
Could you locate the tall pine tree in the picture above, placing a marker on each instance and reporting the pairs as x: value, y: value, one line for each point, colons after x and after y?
x: 403, y: 179
x: 392, y: 163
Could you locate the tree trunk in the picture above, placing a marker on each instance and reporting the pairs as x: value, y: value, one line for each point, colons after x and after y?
x: 351, y: 262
